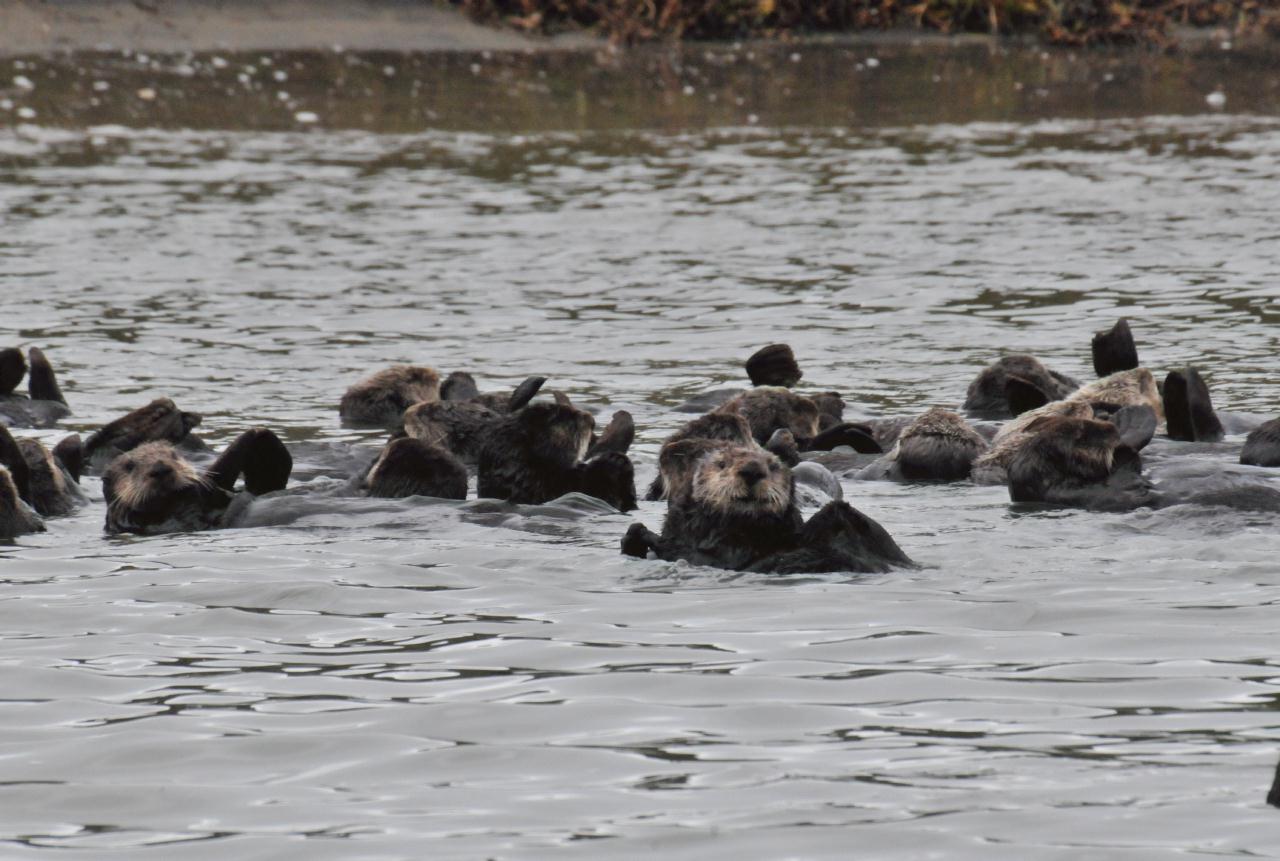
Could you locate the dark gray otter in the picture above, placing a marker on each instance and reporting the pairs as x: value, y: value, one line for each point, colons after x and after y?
x: 158, y: 421
x: 44, y: 403
x: 380, y: 399
x: 938, y: 445
x: 151, y: 489
x: 460, y: 422
x: 543, y: 451
x: 411, y: 467
x: 737, y: 510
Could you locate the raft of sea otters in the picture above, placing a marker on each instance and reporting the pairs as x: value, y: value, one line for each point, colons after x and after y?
x: 735, y: 478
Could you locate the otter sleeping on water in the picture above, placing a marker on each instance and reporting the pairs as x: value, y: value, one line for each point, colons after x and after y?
x: 152, y: 489
x: 733, y: 506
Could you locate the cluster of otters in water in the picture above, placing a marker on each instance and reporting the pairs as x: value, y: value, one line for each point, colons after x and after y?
x: 734, y: 478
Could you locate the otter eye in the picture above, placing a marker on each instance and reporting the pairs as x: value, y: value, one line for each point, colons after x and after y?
x: 774, y: 467
x: 721, y: 464
x: 127, y: 466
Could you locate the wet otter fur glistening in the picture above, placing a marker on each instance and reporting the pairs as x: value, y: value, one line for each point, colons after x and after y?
x: 540, y: 452
x: 153, y: 489
x: 736, y: 509
x: 44, y: 403
x: 380, y: 399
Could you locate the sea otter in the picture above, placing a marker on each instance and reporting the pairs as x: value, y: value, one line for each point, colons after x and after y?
x: 380, y: 399
x: 151, y: 489
x: 461, y: 420
x: 47, y: 481
x: 768, y: 409
x: 988, y: 397
x: 736, y: 509
x: 44, y: 403
x: 938, y: 445
x: 540, y: 452
x: 158, y: 421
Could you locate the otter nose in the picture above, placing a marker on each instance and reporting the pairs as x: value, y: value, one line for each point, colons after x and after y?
x: 160, y: 470
x: 752, y: 474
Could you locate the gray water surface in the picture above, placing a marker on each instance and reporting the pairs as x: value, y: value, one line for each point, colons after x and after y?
x: 413, y: 679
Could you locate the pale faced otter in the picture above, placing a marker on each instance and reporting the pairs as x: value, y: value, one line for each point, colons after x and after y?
x: 716, y: 426
x: 938, y: 445
x: 158, y: 421
x: 536, y: 454
x: 411, y: 467
x: 1135, y: 387
x: 987, y: 396
x: 152, y: 489
x: 44, y: 403
x: 737, y: 510
x: 1262, y: 445
x: 380, y: 400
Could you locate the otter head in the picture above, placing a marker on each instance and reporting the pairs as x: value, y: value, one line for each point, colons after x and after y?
x: 557, y: 432
x: 769, y: 408
x: 740, y: 480
x: 149, y: 484
x: 415, y: 383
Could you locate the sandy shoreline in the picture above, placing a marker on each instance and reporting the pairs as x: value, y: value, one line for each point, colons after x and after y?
x: 36, y: 27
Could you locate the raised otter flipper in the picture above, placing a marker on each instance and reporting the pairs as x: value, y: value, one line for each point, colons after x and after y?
x: 838, y: 538
x: 42, y: 385
x: 13, y: 367
x: 856, y: 436
x: 259, y: 456
x: 411, y: 467
x: 774, y: 365
x: 70, y: 453
x: 16, y: 517
x: 524, y: 393
x: 1188, y: 409
x: 1114, y: 350
x: 1024, y: 395
x: 459, y: 386
x: 618, y: 436
x: 1262, y: 445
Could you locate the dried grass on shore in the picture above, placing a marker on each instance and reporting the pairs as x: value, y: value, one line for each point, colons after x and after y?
x: 1063, y: 22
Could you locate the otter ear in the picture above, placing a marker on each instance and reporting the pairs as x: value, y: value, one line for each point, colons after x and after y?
x: 459, y: 386
x: 1136, y: 425
x: 618, y: 436
x: 856, y: 436
x: 42, y: 385
x: 70, y: 453
x: 1023, y: 395
x: 1114, y: 350
x: 1188, y: 409
x: 774, y: 365
x: 12, y: 369
x: 524, y: 393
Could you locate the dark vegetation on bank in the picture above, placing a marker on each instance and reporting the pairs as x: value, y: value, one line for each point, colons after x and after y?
x: 1061, y: 22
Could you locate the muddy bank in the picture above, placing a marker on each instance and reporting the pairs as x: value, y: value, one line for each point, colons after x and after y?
x: 32, y: 26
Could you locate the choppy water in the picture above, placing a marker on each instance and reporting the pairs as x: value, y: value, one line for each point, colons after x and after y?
x: 406, y: 680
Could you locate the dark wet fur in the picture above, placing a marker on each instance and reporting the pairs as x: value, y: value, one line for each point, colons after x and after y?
x: 411, y: 467
x: 158, y: 421
x: 1262, y: 446
x: 52, y: 490
x: 459, y: 426
x: 770, y: 408
x: 1188, y: 409
x: 44, y: 404
x: 1078, y: 462
x: 1114, y: 350
x: 774, y: 365
x: 987, y: 396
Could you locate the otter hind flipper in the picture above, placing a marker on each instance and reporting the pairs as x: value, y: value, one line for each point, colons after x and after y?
x: 618, y: 436
x: 258, y: 455
x: 1188, y: 409
x: 774, y: 365
x: 11, y: 457
x: 42, y: 384
x: 70, y: 453
x: 1136, y: 424
x: 524, y: 393
x: 856, y: 436
x: 1024, y: 395
x: 13, y: 367
x: 1114, y: 350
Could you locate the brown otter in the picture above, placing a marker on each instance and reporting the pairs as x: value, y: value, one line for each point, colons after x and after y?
x: 44, y: 403
x: 1077, y: 461
x: 988, y: 397
x: 938, y: 445
x: 459, y: 423
x: 152, y: 488
x: 380, y: 399
x: 768, y: 409
x: 536, y: 454
x: 16, y: 517
x: 1262, y: 445
x: 737, y: 510
x: 42, y: 479
x: 158, y: 421
x: 411, y: 467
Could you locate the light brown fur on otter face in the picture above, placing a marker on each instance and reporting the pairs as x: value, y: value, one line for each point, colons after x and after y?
x: 738, y: 479
x: 384, y: 396
x: 1136, y: 387
x: 992, y: 467
x: 769, y: 408
x: 146, y: 474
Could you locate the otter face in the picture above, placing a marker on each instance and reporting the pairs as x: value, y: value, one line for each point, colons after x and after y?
x: 563, y: 429
x: 150, y: 482
x: 737, y: 479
